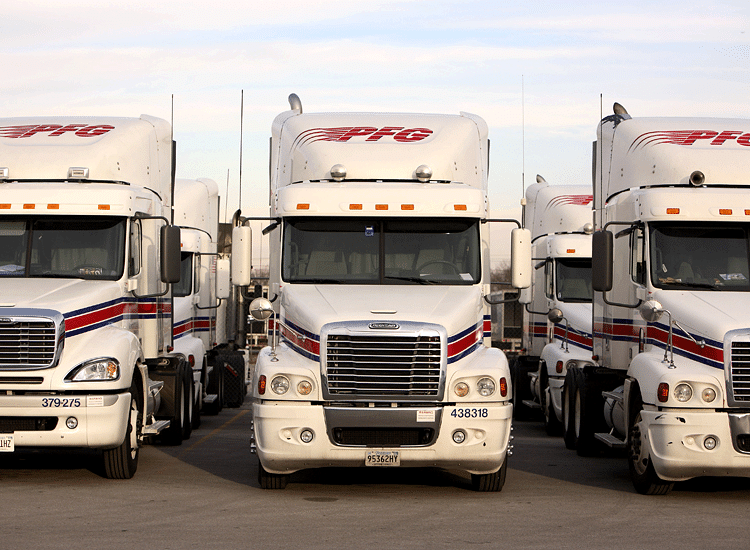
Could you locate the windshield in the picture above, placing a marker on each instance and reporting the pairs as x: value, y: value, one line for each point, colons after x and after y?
x: 574, y: 280
x: 709, y: 256
x: 61, y: 246
x: 381, y: 251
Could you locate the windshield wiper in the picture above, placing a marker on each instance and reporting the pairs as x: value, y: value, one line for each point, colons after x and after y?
x: 411, y: 280
x: 707, y: 286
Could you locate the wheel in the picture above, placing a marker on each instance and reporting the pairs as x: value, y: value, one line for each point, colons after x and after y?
x: 552, y: 425
x: 486, y: 483
x: 588, y: 417
x: 188, y: 385
x: 122, y: 461
x: 268, y: 480
x: 519, y: 379
x: 179, y: 402
x: 215, y: 386
x: 645, y: 479
x: 567, y: 403
x: 234, y: 378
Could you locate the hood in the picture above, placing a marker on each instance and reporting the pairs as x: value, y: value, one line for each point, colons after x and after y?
x: 706, y: 314
x: 309, y: 307
x: 63, y: 295
x: 578, y: 316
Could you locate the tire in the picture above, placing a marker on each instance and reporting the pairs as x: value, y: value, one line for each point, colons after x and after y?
x: 122, y: 461
x: 180, y: 405
x: 234, y: 379
x: 215, y: 386
x: 486, y: 483
x: 519, y: 375
x: 645, y: 479
x: 189, y: 393
x: 552, y: 425
x: 268, y: 480
x: 587, y: 412
x: 567, y: 402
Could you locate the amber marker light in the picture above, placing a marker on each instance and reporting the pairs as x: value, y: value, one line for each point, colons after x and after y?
x: 725, y: 211
x: 381, y: 207
x: 103, y: 207
x: 303, y: 206
x: 662, y: 392
x: 262, y: 384
x: 53, y: 207
x: 355, y: 207
x: 459, y: 207
x: 4, y: 206
x: 673, y: 210
x: 29, y: 206
x: 571, y: 251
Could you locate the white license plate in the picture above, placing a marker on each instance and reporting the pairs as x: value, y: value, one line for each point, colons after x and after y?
x: 7, y: 444
x: 382, y: 458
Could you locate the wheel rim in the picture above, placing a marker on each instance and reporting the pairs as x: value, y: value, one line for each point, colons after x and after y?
x: 638, y: 450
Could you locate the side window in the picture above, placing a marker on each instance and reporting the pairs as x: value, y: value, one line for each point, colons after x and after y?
x: 549, y: 279
x: 134, y: 255
x: 186, y: 269
x: 637, y: 258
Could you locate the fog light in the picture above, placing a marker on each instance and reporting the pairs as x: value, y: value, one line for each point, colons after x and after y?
x: 71, y: 422
x: 279, y: 385
x: 459, y: 436
x: 708, y: 395
x: 461, y: 389
x: 710, y: 442
x: 683, y: 393
x: 304, y: 387
x: 306, y: 435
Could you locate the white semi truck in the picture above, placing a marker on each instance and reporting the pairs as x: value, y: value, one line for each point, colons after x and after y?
x: 202, y: 335
x: 672, y: 295
x: 557, y: 312
x: 379, y: 254
x: 88, y: 255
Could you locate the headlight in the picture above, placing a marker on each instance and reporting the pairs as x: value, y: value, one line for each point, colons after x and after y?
x: 279, y: 385
x: 102, y: 369
x: 683, y: 393
x: 486, y: 386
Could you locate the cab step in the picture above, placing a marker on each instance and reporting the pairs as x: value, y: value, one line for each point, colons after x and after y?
x: 610, y: 441
x: 155, y: 427
x: 531, y: 404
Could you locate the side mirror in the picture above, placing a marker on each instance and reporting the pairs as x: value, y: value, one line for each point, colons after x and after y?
x: 261, y: 309
x: 555, y: 315
x: 524, y: 295
x: 602, y: 259
x: 520, y: 258
x: 223, y: 282
x: 242, y: 255
x: 170, y: 254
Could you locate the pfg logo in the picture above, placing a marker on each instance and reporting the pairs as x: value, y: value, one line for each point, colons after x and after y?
x: 399, y: 134
x: 690, y: 137
x: 385, y: 326
x: 55, y: 130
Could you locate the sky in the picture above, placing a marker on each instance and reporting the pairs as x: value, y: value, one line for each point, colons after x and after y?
x: 540, y: 73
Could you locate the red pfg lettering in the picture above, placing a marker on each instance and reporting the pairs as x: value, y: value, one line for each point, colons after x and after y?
x: 691, y: 137
x: 54, y: 130
x: 363, y: 133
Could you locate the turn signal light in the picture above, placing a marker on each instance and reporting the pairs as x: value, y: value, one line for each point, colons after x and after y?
x: 662, y: 392
x: 503, y: 387
x: 262, y: 384
x: 558, y: 367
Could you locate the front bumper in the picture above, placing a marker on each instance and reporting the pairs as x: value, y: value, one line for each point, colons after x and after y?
x: 40, y: 420
x: 277, y: 428
x: 677, y: 448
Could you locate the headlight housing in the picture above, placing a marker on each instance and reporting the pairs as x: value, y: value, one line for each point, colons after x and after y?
x: 486, y: 386
x: 102, y: 369
x: 683, y: 392
x: 280, y: 385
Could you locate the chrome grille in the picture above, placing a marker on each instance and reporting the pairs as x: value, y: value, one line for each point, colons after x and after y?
x: 27, y: 343
x: 740, y: 372
x: 382, y: 366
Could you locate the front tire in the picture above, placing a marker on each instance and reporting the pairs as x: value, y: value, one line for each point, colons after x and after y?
x: 122, y: 461
x: 645, y: 479
x: 268, y: 480
x: 486, y: 483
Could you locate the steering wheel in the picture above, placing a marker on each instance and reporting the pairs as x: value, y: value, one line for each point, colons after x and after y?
x: 443, y: 262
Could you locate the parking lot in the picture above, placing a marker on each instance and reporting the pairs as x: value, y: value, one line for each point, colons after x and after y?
x: 204, y: 494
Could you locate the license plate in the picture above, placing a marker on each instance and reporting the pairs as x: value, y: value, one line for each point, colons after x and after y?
x: 7, y: 445
x: 382, y: 458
